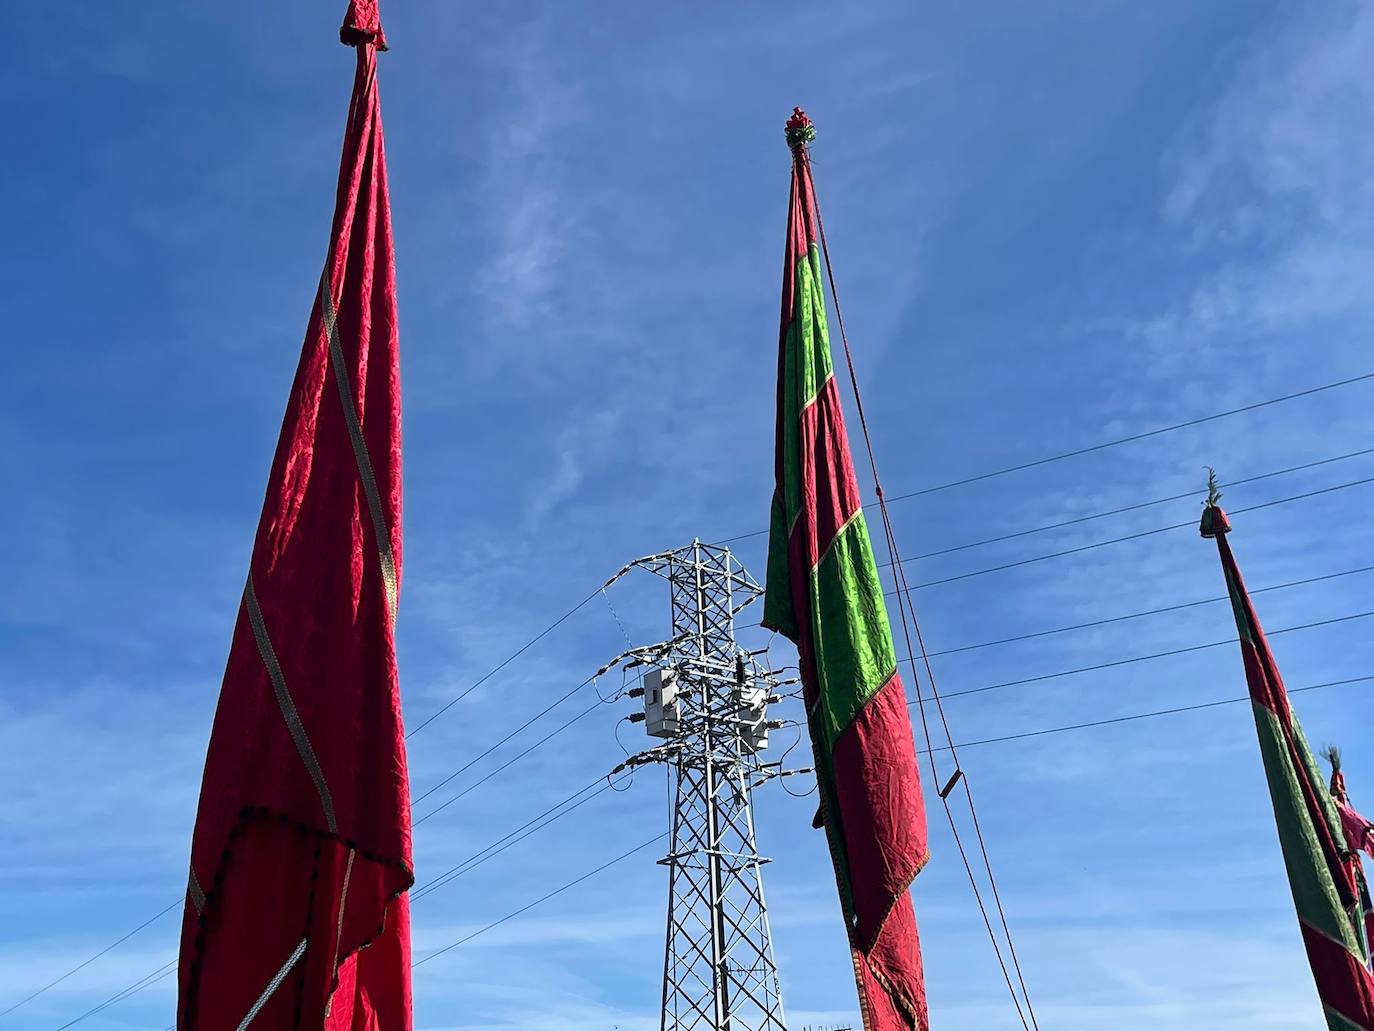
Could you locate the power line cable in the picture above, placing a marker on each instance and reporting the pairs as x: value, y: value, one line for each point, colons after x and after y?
x: 548, y: 816
x: 1145, y: 658
x: 510, y: 762
x: 434, y: 884
x: 578, y: 687
x: 503, y: 664
x: 147, y: 980
x: 1077, y: 520
x: 905, y: 606
x: 1177, y: 607
x: 1134, y: 659
x: 87, y: 962
x: 120, y: 996
x: 541, y: 900
x: 1128, y: 537
x: 1149, y: 715
x: 524, y: 726
x: 505, y: 842
x: 570, y: 612
x: 1083, y: 548
x: 473, y: 861
x: 1100, y: 447
x: 489, y: 776
x: 1147, y: 612
x: 180, y: 902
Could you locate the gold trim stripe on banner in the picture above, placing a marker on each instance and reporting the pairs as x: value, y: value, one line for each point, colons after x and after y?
x: 274, y: 984
x: 355, y: 433
x: 197, y: 896
x: 288, y: 707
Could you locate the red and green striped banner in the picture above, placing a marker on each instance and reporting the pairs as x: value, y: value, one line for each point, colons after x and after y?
x: 1325, y: 890
x: 824, y: 594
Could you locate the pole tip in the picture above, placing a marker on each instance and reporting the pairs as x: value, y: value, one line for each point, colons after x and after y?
x: 362, y: 25
x: 1214, y: 521
x: 800, y: 130
x: 1332, y: 754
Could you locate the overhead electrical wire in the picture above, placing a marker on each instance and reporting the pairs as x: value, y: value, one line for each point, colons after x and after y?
x: 1186, y: 424
x: 471, y: 862
x: 907, y: 606
x: 524, y: 726
x: 1092, y: 624
x: 563, y: 618
x: 901, y: 497
x: 181, y: 901
x: 133, y: 989
x: 156, y: 975
x: 87, y: 962
x: 1107, y: 620
x: 1145, y: 658
x: 928, y: 490
x: 510, y: 762
x: 579, y: 716
x: 516, y: 835
x: 1080, y: 549
x: 542, y: 899
x: 550, y: 815
x: 1001, y: 739
x: 1185, y: 495
x: 501, y: 665
x: 1191, y: 523
x: 439, y: 881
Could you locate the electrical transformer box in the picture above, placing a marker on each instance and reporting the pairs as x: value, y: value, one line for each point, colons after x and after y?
x: 751, y: 709
x: 662, y: 715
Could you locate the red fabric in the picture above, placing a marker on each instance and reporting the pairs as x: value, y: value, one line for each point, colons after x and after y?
x: 888, y: 996
x: 1359, y: 832
x: 829, y: 488
x: 876, y: 795
x: 886, y: 848
x: 1342, y: 981
x: 363, y: 24
x: 303, y: 829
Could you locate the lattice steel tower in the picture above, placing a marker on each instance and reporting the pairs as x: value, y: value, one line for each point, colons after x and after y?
x: 708, y: 701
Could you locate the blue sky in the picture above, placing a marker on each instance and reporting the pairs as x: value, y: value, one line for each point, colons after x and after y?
x: 1052, y: 225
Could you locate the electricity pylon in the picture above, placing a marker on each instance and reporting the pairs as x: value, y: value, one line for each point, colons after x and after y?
x: 708, y: 700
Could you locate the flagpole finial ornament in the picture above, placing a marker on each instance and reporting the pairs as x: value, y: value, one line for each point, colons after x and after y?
x: 1214, y: 521
x: 1332, y: 754
x: 362, y: 25
x: 800, y: 130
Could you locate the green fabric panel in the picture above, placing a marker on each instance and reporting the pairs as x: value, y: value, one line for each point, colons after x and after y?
x: 777, y: 599
x: 1243, y: 627
x: 791, y: 487
x: 815, y: 335
x: 1314, y: 773
x: 834, y: 825
x: 1336, y: 1022
x: 1314, y: 892
x: 854, y: 653
x: 806, y: 366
